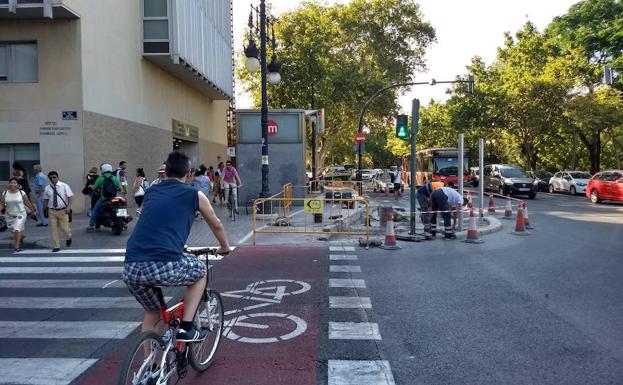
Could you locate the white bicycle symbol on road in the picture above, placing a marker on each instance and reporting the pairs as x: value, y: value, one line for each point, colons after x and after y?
x: 266, y: 293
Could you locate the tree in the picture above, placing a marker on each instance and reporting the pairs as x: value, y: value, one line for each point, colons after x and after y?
x: 344, y: 53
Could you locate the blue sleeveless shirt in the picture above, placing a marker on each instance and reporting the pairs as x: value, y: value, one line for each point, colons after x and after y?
x: 162, y: 230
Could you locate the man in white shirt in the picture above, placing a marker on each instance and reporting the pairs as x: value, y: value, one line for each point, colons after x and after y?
x: 398, y: 182
x: 57, y: 203
x: 447, y: 200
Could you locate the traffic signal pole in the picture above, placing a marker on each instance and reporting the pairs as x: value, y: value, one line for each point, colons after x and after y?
x: 415, y: 118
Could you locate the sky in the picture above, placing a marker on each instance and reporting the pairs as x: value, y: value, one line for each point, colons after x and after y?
x: 465, y: 28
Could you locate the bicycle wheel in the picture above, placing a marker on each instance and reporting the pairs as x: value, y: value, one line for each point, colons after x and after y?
x: 142, y: 363
x: 232, y: 204
x: 209, y: 316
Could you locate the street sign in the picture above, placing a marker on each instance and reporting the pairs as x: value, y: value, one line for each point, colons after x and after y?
x: 360, y: 137
x: 313, y: 206
x: 231, y: 151
x: 272, y: 127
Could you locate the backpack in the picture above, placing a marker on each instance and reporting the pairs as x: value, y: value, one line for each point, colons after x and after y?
x: 109, y: 189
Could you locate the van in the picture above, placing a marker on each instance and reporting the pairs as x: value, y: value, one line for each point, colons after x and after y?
x: 509, y: 179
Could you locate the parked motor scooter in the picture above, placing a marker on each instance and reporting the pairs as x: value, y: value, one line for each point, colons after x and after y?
x: 114, y: 214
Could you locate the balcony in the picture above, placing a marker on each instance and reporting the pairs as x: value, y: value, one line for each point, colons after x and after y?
x: 35, y: 9
x: 191, y: 40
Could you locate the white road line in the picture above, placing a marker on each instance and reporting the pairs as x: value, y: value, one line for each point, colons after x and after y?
x: 65, y: 329
x: 42, y: 371
x: 347, y: 282
x: 57, y: 283
x: 344, y: 269
x: 91, y: 259
x: 73, y: 251
x: 346, y: 372
x: 62, y: 270
x: 341, y: 248
x: 342, y: 257
x: 350, y: 303
x: 354, y: 331
x: 70, y: 302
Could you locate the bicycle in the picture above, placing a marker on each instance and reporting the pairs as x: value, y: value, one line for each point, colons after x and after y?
x: 231, y: 202
x: 154, y: 358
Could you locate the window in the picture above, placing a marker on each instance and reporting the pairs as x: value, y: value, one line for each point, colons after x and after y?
x: 604, y: 176
x: 613, y: 176
x: 18, y: 62
x: 25, y: 154
x: 557, y: 175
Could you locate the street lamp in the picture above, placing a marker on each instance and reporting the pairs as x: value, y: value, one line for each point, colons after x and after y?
x: 259, y: 26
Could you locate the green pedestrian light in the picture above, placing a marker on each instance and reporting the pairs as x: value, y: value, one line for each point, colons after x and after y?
x: 402, y: 127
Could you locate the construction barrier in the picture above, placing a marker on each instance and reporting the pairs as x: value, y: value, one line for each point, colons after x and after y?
x: 340, y: 216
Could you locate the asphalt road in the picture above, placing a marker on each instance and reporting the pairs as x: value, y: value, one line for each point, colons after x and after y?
x: 541, y: 309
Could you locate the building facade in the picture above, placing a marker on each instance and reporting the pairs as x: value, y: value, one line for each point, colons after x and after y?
x: 85, y: 82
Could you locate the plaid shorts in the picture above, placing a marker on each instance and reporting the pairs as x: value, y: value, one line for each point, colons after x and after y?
x: 143, y: 278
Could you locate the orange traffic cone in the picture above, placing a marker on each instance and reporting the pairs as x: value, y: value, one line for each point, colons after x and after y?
x: 525, y: 216
x: 508, y: 210
x: 491, y: 204
x: 520, y: 225
x: 472, y: 230
x: 390, y: 237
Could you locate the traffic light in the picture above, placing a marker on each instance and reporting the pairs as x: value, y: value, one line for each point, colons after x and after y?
x: 402, y: 127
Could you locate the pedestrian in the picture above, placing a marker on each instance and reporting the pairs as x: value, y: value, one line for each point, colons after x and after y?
x: 20, y: 173
x: 449, y: 202
x: 140, y: 186
x: 15, y: 203
x: 398, y: 182
x: 210, y: 174
x: 423, y: 197
x: 40, y: 182
x: 57, y: 204
x: 218, y: 180
x: 161, y: 176
x: 120, y: 173
x: 201, y: 182
x: 88, y: 189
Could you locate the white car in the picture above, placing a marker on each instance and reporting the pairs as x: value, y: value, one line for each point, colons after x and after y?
x: 573, y: 182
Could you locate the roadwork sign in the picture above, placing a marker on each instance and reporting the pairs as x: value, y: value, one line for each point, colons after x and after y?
x: 313, y: 206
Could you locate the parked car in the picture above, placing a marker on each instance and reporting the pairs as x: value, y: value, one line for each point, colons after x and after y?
x: 573, y: 182
x: 366, y: 175
x: 508, y: 179
x: 606, y: 185
x: 380, y: 180
x: 474, y: 173
x: 541, y: 179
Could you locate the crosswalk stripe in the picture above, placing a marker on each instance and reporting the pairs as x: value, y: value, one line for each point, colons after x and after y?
x: 62, y: 270
x: 341, y: 248
x: 42, y: 371
x: 73, y: 251
x: 354, y: 331
x: 353, y: 372
x: 347, y: 282
x: 350, y: 302
x: 344, y: 269
x: 90, y: 259
x: 70, y: 302
x: 342, y: 257
x: 65, y: 329
x: 58, y: 283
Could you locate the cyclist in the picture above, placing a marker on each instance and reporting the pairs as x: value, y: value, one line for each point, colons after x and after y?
x: 154, y: 253
x: 231, y: 181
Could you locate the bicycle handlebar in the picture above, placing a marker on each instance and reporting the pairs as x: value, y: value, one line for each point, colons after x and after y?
x: 204, y: 251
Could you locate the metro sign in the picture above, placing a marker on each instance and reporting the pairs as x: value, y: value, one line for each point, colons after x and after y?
x: 272, y: 127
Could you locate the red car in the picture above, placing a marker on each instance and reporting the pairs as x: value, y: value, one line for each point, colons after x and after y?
x: 606, y: 185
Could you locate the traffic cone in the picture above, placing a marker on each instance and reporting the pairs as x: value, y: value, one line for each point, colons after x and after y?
x: 472, y: 230
x: 508, y: 210
x: 520, y: 224
x: 491, y: 204
x: 390, y: 238
x: 525, y: 217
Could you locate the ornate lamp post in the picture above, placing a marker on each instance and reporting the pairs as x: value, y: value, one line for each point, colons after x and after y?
x: 259, y: 26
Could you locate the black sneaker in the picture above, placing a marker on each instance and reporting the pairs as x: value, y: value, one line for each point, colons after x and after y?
x: 68, y: 242
x: 56, y: 250
x: 450, y: 236
x: 192, y: 335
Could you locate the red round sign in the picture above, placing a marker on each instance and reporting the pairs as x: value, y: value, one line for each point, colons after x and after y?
x: 272, y: 127
x: 360, y: 137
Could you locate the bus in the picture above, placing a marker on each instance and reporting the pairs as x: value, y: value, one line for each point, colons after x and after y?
x: 441, y: 165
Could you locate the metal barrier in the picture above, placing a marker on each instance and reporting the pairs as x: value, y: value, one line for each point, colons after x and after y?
x: 287, y: 194
x: 339, y: 216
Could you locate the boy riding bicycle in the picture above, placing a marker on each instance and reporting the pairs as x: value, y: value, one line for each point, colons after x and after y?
x: 154, y: 253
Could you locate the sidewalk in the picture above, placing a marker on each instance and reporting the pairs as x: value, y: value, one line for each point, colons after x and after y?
x: 200, y: 235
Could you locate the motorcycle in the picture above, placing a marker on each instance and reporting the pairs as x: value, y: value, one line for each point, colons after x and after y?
x: 114, y: 214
